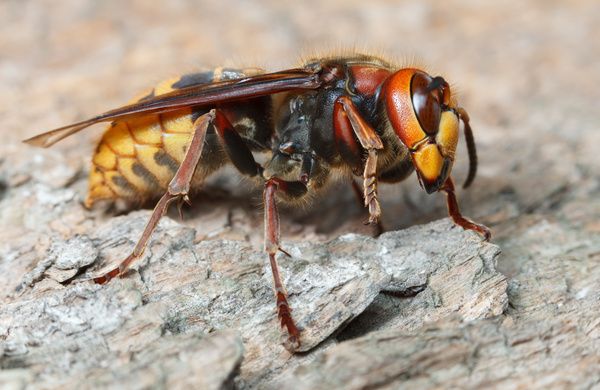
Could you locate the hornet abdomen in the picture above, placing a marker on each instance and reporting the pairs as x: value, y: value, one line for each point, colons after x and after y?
x: 136, y: 158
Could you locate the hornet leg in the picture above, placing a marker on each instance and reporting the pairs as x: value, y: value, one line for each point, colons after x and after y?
x: 272, y: 233
x: 179, y: 187
x: 346, y: 115
x: 457, y: 217
x: 358, y: 193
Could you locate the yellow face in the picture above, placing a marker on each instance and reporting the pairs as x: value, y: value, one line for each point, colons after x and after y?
x: 423, y: 115
x: 433, y: 158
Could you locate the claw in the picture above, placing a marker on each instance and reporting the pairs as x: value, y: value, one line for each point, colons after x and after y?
x: 293, y: 343
x: 107, y: 276
x: 484, y: 231
x: 284, y: 313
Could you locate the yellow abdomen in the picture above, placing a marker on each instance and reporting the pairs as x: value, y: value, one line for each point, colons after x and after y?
x: 137, y: 158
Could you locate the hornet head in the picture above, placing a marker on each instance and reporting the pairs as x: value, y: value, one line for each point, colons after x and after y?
x: 425, y: 117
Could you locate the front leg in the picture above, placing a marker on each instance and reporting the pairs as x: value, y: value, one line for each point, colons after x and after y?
x: 360, y: 197
x: 457, y: 217
x: 346, y: 117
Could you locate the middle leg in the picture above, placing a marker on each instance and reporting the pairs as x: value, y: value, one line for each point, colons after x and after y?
x: 272, y: 235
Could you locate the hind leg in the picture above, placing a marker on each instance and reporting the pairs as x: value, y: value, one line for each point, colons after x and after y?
x: 179, y: 187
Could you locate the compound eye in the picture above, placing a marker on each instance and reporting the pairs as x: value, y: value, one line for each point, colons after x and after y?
x: 426, y: 102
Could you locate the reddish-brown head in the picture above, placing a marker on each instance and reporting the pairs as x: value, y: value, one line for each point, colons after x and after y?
x: 423, y: 114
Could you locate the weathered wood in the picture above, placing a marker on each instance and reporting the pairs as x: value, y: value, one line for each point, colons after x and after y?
x: 550, y: 337
x: 184, y: 289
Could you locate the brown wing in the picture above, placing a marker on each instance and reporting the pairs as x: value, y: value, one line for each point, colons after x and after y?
x: 199, y: 95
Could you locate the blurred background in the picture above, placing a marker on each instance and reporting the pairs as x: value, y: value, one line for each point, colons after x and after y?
x: 527, y: 72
